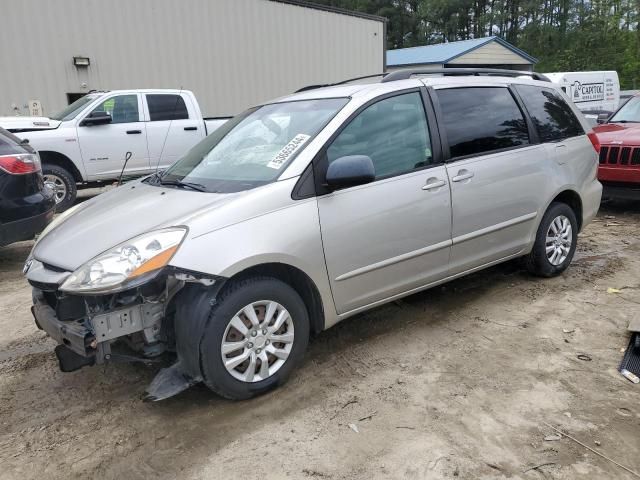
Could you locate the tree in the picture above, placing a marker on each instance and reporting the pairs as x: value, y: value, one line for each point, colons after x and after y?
x: 564, y: 35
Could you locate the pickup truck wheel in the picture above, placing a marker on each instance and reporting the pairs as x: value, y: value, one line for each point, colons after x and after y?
x: 257, y: 334
x: 555, y: 242
x: 63, y: 185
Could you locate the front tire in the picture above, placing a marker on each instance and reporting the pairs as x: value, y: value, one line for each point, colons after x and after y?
x: 555, y: 242
x: 257, y: 334
x: 63, y: 185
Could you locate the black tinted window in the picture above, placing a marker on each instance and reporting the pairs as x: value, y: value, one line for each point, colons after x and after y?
x: 392, y: 132
x: 479, y: 119
x: 166, y: 107
x: 550, y: 113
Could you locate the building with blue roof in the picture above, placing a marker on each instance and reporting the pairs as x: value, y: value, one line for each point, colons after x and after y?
x: 488, y: 52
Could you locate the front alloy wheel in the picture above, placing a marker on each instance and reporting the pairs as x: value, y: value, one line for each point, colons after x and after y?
x: 257, y: 341
x: 256, y: 334
x: 57, y: 185
x: 62, y: 183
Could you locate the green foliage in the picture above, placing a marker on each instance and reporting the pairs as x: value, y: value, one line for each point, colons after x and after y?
x: 565, y: 35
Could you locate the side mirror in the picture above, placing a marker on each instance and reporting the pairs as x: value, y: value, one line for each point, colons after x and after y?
x: 96, y: 118
x: 603, y: 117
x: 350, y: 171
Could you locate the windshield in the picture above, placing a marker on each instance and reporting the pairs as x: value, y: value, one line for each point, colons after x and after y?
x: 70, y: 111
x: 254, y: 148
x: 630, y: 112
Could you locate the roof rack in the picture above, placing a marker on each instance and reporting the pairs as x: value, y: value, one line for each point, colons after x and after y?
x: 313, y: 87
x: 408, y: 73
x: 497, y: 72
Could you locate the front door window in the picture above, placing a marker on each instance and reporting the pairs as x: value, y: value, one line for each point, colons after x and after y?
x: 392, y: 132
x: 122, y: 108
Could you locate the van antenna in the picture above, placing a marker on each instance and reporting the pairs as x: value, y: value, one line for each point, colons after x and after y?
x: 175, y: 110
x: 127, y: 156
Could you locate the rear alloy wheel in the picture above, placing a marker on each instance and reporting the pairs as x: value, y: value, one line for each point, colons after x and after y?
x: 559, y: 240
x: 63, y: 185
x: 555, y: 242
x: 257, y: 333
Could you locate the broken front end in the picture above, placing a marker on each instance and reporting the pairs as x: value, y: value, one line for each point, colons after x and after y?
x: 86, y: 327
x: 132, y: 325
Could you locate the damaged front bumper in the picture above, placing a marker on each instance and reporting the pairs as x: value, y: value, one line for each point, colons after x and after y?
x: 87, y: 340
x: 133, y: 325
x: 75, y: 340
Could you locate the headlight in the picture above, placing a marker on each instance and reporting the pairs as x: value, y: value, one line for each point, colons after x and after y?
x: 127, y: 265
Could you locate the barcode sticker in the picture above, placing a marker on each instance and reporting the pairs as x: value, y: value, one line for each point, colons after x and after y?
x: 289, y: 149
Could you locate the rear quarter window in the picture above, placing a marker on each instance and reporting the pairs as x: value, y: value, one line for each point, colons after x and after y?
x: 481, y: 119
x: 551, y: 115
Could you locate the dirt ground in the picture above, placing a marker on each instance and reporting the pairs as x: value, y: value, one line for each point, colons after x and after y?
x: 456, y: 382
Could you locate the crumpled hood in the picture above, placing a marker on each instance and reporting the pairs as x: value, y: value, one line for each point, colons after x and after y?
x: 28, y: 123
x: 118, y: 215
x: 618, y: 133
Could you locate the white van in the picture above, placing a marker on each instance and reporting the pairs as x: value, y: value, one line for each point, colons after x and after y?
x: 592, y: 92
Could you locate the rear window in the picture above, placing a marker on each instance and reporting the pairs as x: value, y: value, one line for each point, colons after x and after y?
x: 552, y: 117
x: 10, y: 144
x: 167, y: 107
x: 481, y: 119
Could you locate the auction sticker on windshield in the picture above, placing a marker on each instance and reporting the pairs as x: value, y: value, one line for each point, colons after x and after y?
x: 289, y: 149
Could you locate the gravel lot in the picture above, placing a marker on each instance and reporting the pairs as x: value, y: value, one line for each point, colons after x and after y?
x: 456, y: 382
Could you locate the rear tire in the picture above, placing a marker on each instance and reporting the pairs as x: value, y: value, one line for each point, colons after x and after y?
x: 62, y: 183
x: 260, y: 295
x: 555, y: 242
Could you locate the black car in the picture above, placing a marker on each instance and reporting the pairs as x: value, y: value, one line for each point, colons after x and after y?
x: 26, y: 205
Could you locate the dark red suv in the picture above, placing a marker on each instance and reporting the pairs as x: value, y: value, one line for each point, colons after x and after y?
x: 619, y: 139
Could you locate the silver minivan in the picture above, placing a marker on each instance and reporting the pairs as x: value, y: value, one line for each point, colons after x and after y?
x: 304, y: 211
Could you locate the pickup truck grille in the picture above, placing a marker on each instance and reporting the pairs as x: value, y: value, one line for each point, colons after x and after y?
x: 610, y: 155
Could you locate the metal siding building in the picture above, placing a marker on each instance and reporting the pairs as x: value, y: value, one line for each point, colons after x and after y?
x: 231, y: 53
x: 480, y: 52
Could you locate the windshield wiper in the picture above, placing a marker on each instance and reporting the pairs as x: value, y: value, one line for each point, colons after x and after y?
x: 624, y: 121
x: 177, y: 183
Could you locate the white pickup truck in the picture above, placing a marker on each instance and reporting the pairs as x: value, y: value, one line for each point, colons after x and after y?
x: 88, y: 141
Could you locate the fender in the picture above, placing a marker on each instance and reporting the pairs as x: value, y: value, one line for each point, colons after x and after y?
x: 193, y: 311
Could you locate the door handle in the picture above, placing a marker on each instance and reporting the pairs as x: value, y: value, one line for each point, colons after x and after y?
x: 190, y: 128
x: 433, y: 183
x: 133, y: 132
x: 462, y: 176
